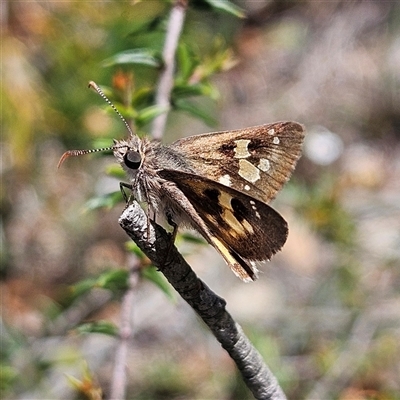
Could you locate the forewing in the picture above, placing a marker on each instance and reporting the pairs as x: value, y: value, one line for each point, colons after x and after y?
x: 256, y: 160
x: 247, y: 228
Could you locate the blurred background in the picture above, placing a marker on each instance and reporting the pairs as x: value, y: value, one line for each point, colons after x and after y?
x: 325, y: 313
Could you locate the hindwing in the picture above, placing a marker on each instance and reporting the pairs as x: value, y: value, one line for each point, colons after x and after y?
x: 242, y: 229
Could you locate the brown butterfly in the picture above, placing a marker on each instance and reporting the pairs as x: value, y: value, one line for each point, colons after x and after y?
x: 217, y: 183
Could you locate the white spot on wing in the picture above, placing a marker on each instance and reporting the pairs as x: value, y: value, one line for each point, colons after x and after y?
x: 241, y: 150
x: 253, y: 206
x: 248, y: 171
x: 246, y: 187
x: 271, y: 131
x: 276, y: 140
x: 264, y: 165
x: 225, y: 180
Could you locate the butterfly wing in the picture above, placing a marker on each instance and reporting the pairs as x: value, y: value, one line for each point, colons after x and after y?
x: 257, y: 160
x: 241, y: 228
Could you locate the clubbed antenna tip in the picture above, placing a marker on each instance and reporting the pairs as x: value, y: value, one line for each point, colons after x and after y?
x: 93, y: 85
x: 80, y: 153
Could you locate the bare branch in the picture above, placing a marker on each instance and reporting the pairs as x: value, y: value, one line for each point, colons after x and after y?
x: 74, y: 315
x: 118, y: 383
x: 156, y: 244
x: 166, y: 82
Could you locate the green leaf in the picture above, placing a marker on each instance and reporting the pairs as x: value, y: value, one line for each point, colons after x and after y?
x: 148, y: 114
x: 116, y: 279
x: 108, y: 200
x: 105, y: 327
x: 9, y: 375
x: 115, y: 171
x: 82, y: 287
x: 195, y: 110
x: 128, y: 112
x: 87, y: 386
x: 198, y: 89
x: 101, y: 143
x: 153, y: 275
x: 227, y: 6
x: 191, y: 238
x: 142, y: 96
x: 132, y: 247
x: 134, y: 56
x: 185, y: 61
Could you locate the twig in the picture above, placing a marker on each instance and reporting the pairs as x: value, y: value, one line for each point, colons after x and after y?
x: 75, y: 314
x: 166, y: 82
x: 211, y: 308
x: 118, y: 383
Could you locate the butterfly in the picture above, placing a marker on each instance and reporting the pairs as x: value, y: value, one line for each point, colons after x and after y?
x: 217, y: 183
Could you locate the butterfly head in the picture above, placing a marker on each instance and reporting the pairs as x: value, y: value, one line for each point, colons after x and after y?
x: 130, y: 154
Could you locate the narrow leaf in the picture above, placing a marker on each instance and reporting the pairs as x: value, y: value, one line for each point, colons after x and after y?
x: 186, y: 62
x: 104, y: 327
x: 115, y: 171
x: 191, y: 238
x: 113, y: 280
x: 142, y: 96
x: 227, y: 6
x: 134, y: 56
x: 148, y: 114
x: 87, y: 386
x: 82, y: 287
x: 108, y: 200
x: 199, y: 89
x: 133, y: 248
x: 196, y: 111
x: 152, y: 275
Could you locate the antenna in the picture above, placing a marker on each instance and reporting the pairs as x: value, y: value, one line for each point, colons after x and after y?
x: 69, y: 153
x: 93, y: 85
x: 81, y: 153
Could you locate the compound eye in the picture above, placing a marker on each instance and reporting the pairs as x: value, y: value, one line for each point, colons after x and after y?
x: 132, y: 159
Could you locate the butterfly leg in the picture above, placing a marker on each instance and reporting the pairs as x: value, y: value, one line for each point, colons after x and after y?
x: 127, y: 198
x: 174, y: 226
x: 150, y: 219
x: 174, y: 232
